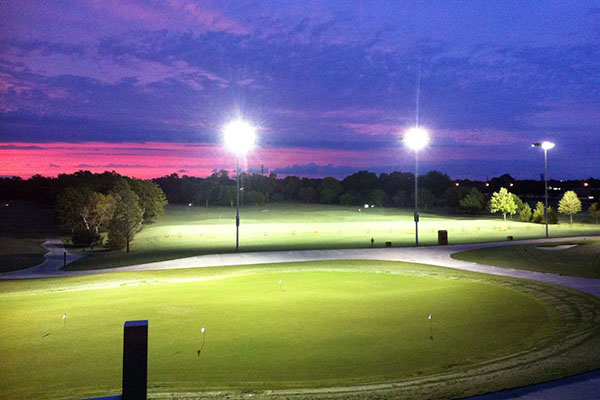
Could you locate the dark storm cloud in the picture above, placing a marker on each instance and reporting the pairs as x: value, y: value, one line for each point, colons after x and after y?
x: 486, y: 88
x: 19, y: 147
x: 57, y: 128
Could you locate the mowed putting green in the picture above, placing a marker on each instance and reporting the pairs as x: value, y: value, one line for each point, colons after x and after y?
x: 328, y: 324
x: 190, y: 231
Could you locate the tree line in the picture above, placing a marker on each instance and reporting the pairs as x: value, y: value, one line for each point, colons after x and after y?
x: 94, y: 208
x: 111, y: 207
x: 509, y: 203
x: 396, y: 189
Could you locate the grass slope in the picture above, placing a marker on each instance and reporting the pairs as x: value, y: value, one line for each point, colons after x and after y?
x: 23, y: 229
x: 189, y: 231
x: 582, y: 260
x: 329, y: 324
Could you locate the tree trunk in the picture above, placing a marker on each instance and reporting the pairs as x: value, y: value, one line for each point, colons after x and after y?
x: 570, y: 219
x: 504, y: 215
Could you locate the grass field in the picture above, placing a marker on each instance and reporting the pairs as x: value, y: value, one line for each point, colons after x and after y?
x: 23, y: 229
x: 329, y: 324
x: 583, y: 259
x: 188, y: 231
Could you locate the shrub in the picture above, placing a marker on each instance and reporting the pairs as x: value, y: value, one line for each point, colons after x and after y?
x: 525, y: 213
x: 538, y: 214
x: 594, y: 211
x: 552, y: 216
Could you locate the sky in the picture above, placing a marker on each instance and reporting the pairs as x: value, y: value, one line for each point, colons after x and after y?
x: 144, y: 88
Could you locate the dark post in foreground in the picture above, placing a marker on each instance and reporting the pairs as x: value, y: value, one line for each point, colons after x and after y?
x: 135, y: 360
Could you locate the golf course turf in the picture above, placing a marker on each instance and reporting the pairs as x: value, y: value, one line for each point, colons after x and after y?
x: 188, y: 231
x: 361, y: 325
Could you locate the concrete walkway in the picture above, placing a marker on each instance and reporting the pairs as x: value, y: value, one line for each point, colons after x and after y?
x: 434, y: 255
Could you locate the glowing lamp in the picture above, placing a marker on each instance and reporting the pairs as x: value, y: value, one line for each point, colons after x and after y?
x: 239, y: 136
x: 416, y: 138
x: 547, y: 145
x: 543, y: 145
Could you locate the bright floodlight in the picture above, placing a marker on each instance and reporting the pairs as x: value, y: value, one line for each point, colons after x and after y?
x: 416, y: 138
x: 547, y: 145
x: 239, y: 136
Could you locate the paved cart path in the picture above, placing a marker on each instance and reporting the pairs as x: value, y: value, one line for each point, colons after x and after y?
x: 434, y: 255
x: 50, y: 267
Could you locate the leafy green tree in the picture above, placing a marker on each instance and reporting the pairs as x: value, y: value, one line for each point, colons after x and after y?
x: 127, y: 218
x: 327, y: 196
x: 85, y: 213
x: 69, y: 204
x: 525, y: 213
x: 594, y: 211
x: 268, y: 186
x: 569, y: 205
x: 360, y: 185
x: 97, y: 211
x: 277, y: 198
x: 377, y: 197
x: 538, y: 213
x: 227, y: 196
x: 401, y: 198
x: 346, y: 199
x: 502, y: 201
x: 473, y: 202
x: 291, y: 187
x: 307, y: 194
x: 255, y: 198
x: 518, y: 203
x: 454, y: 195
x: 426, y: 199
x: 329, y: 189
x: 152, y: 198
x: 436, y: 182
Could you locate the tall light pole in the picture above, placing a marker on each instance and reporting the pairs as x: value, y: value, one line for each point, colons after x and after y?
x: 239, y: 138
x: 416, y: 138
x: 546, y: 146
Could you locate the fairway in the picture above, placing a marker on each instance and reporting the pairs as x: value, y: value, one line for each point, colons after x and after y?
x: 328, y: 324
x: 189, y: 231
x: 573, y: 258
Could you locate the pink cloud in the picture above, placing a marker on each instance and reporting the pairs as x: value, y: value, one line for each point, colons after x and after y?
x: 206, y: 17
x: 154, y: 159
x: 126, y: 10
x: 173, y: 14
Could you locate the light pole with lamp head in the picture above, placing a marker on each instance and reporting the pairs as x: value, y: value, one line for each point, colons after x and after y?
x: 239, y: 138
x: 546, y: 146
x: 416, y: 138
